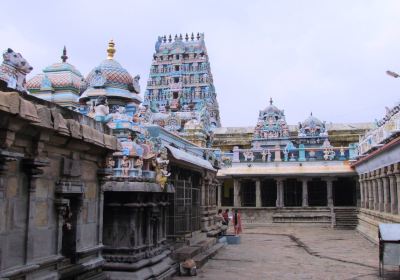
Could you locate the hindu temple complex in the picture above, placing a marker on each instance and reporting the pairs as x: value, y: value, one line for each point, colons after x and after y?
x: 98, y: 182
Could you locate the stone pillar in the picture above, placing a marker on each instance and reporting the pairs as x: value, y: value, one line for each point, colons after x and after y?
x: 258, y: 193
x: 386, y: 193
x: 362, y: 193
x: 380, y: 194
x: 329, y: 193
x: 279, y: 193
x: 32, y: 168
x: 100, y: 214
x: 398, y: 192
x: 375, y: 193
x: 133, y: 226
x: 305, y: 192
x: 371, y: 193
x: 277, y: 153
x: 393, y: 194
x: 236, y: 193
x: 366, y: 191
x: 219, y: 186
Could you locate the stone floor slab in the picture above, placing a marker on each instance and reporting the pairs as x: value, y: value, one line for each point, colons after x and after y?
x: 296, y: 252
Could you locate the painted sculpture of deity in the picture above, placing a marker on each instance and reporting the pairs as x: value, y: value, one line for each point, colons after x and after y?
x: 161, y: 165
x: 126, y: 166
x: 101, y: 110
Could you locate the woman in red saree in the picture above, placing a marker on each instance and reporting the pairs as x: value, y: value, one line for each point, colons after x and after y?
x: 237, y: 222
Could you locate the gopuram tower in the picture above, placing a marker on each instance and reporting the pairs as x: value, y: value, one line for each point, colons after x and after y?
x: 180, y: 94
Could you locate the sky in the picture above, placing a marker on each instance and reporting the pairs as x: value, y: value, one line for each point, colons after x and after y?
x: 324, y: 57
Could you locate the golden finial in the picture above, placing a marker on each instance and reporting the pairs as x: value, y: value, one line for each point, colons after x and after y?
x: 111, y: 50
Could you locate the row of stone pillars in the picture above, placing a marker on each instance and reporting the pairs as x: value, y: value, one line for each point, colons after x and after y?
x: 279, y: 191
x: 380, y: 189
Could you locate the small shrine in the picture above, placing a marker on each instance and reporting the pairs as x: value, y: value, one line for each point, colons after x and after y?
x: 60, y: 83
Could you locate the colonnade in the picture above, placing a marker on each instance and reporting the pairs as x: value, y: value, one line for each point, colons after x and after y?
x: 380, y: 189
x: 280, y: 191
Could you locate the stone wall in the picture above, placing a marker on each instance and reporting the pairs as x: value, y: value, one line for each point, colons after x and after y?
x: 50, y: 195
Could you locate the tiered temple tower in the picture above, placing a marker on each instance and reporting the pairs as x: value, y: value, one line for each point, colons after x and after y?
x: 180, y: 91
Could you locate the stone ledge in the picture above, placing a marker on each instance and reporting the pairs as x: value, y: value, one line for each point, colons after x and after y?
x: 64, y: 121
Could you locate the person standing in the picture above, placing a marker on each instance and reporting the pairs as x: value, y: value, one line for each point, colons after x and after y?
x: 226, y: 217
x: 237, y: 223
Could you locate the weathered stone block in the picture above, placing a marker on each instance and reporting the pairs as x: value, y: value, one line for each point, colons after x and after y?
x: 41, y: 217
x: 12, y: 167
x: 42, y: 188
x: 89, y: 171
x: 85, y: 212
x: 91, y: 190
x: 92, y: 212
x: 12, y: 187
x: 2, y: 217
x: 88, y: 236
x: 17, y: 213
x: 14, y: 249
x: 44, y: 244
x: 53, y: 169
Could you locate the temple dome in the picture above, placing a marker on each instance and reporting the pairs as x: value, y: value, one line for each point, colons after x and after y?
x: 272, y: 110
x: 110, y: 79
x: 58, y: 76
x: 312, y: 121
x: 312, y: 127
x: 115, y: 75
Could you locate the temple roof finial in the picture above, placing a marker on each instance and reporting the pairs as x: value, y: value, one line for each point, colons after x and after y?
x: 64, y: 56
x: 111, y: 50
x: 270, y: 101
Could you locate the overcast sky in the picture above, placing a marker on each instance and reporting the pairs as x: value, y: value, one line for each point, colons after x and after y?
x: 328, y: 57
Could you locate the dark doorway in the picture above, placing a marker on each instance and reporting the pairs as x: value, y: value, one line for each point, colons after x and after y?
x: 317, y: 194
x: 248, y: 190
x: 68, y: 245
x: 293, y: 193
x: 268, y: 193
x: 227, y: 193
x: 344, y: 192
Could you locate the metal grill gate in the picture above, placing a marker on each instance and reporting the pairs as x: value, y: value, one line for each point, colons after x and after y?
x: 184, y: 213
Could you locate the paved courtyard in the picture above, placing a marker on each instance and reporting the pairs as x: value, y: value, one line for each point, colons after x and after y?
x: 296, y: 252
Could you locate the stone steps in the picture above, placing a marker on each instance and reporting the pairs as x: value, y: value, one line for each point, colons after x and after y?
x: 346, y: 217
x: 202, y: 258
x: 317, y: 215
x: 188, y: 252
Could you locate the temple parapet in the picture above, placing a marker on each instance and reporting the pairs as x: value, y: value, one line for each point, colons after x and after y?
x: 386, y: 129
x: 290, y: 153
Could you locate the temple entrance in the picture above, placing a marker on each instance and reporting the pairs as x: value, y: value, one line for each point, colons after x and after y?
x: 293, y: 193
x: 344, y: 192
x: 317, y: 194
x: 248, y: 190
x: 268, y: 193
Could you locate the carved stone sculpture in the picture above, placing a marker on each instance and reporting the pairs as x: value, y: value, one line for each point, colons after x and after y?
x: 248, y: 155
x: 161, y: 165
x: 101, y: 110
x: 13, y: 71
x: 125, y: 165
